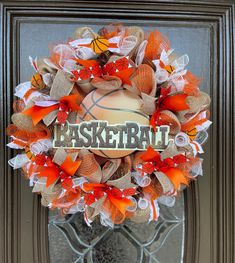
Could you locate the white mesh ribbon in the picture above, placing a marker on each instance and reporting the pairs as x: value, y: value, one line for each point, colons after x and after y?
x: 64, y: 53
x: 85, y: 53
x: 41, y: 146
x: 177, y: 80
x: 39, y: 184
x: 196, y: 147
x: 140, y: 53
x: 141, y: 180
x: 128, y: 43
x: 13, y: 145
x: 180, y: 63
x: 81, y: 51
x: 161, y: 75
x: 33, y: 63
x: 115, y: 40
x: 22, y: 89
x: 197, y: 169
x: 176, y: 77
x: 79, y: 207
x: 79, y: 181
x: 167, y: 200
x: 201, y: 137
x: 47, y: 78
x: 19, y: 161
x: 46, y: 103
x: 105, y: 220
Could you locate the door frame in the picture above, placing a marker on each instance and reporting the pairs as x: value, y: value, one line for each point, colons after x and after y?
x: 219, y: 17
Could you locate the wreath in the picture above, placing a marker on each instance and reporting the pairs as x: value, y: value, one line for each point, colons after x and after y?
x: 120, y: 80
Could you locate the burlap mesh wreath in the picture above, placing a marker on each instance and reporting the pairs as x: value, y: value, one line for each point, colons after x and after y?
x: 140, y: 68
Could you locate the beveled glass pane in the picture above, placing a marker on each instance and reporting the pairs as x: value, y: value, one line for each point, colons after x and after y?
x: 71, y: 240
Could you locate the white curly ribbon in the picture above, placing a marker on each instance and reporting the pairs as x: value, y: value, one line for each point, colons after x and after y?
x: 18, y: 161
x: 134, y: 206
x: 141, y: 180
x: 41, y: 146
x: 143, y: 203
x: 182, y: 139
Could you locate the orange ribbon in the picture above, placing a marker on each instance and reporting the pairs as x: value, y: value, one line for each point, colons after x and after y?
x: 114, y: 195
x: 175, y: 102
x: 23, y: 137
x: 176, y: 175
x: 65, y: 171
x: 37, y: 113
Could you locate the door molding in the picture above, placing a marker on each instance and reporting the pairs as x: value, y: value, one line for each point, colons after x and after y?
x: 219, y: 18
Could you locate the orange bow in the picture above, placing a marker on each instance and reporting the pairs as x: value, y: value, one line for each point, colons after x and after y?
x: 65, y: 171
x: 167, y: 166
x: 116, y: 196
x: 37, y: 113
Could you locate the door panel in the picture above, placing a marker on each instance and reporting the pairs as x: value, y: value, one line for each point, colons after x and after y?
x: 203, y: 230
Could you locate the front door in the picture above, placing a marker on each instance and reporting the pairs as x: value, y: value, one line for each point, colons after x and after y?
x: 200, y: 228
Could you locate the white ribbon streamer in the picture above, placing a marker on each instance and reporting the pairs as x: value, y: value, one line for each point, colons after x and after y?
x: 18, y: 161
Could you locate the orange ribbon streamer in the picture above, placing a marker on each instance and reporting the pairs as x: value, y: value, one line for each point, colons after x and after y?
x: 176, y: 176
x: 175, y: 102
x: 37, y: 113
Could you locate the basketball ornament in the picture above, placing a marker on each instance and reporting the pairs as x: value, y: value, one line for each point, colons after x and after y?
x: 110, y: 124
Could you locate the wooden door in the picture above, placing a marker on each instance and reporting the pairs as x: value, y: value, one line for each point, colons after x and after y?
x: 205, y: 220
